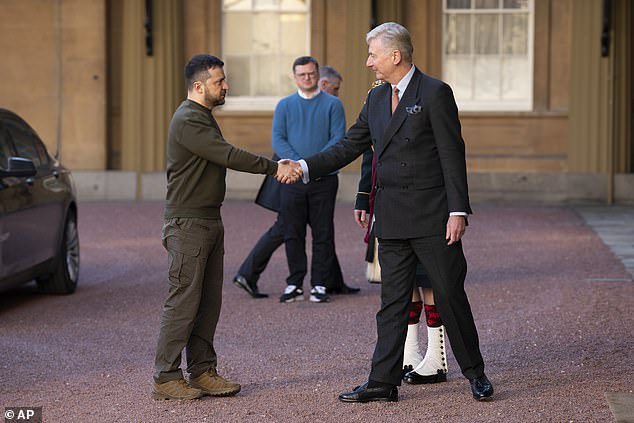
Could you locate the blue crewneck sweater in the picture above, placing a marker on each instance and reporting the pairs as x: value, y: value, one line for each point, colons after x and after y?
x: 303, y: 127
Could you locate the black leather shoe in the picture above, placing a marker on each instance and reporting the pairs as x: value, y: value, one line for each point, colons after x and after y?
x: 481, y: 388
x: 406, y: 369
x: 242, y: 282
x: 343, y: 290
x: 364, y: 394
x: 414, y: 378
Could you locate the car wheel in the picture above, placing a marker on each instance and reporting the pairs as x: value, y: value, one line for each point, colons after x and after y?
x: 64, y: 279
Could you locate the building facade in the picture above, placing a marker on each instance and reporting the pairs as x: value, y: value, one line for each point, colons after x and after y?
x: 544, y: 86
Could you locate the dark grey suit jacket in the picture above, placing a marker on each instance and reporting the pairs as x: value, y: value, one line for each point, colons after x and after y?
x: 421, y: 168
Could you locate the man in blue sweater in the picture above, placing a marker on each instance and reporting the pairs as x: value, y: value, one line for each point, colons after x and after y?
x: 269, y: 197
x: 305, y: 123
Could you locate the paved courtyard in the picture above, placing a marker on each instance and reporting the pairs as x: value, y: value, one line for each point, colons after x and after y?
x: 553, y: 303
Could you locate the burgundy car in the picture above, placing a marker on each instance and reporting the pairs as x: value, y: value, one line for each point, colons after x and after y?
x: 38, y: 212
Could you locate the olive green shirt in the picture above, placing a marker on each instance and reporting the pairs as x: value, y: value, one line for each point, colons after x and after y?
x: 197, y: 161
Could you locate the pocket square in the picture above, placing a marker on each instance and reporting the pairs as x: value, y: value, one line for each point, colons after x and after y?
x: 412, y: 110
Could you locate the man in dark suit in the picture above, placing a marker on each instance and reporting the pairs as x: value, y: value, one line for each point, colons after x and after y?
x: 420, y: 206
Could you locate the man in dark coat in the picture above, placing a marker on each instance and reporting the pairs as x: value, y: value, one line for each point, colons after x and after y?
x: 420, y: 206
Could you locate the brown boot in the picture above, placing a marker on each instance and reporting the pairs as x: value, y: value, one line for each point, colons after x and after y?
x: 210, y: 383
x: 175, y: 390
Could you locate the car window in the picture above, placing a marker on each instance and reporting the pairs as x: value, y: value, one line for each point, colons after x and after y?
x: 44, y: 157
x: 27, y: 145
x: 5, y: 149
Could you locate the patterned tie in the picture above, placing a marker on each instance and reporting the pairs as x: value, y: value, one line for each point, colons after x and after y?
x: 394, y: 99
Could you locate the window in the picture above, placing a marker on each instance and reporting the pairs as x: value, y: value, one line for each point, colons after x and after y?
x: 27, y: 145
x: 5, y: 149
x: 260, y: 41
x: 488, y: 53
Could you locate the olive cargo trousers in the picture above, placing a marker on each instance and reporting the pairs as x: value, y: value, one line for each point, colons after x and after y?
x: 195, y: 249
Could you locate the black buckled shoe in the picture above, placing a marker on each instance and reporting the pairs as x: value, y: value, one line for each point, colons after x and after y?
x: 406, y: 369
x: 481, y: 388
x: 414, y: 378
x: 364, y: 394
x: 242, y: 282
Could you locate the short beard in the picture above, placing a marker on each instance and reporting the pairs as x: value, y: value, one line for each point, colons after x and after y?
x: 212, y: 101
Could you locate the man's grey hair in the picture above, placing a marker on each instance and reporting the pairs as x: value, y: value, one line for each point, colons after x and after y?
x: 328, y: 72
x: 393, y: 36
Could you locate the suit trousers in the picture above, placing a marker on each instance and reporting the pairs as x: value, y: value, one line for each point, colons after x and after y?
x: 310, y: 204
x: 447, y: 268
x: 195, y: 250
x: 260, y: 255
x: 422, y: 280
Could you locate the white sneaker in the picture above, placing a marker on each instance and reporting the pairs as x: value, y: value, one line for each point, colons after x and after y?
x: 318, y: 294
x: 292, y: 293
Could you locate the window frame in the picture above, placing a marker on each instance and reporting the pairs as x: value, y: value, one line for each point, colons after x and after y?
x: 498, y: 105
x: 254, y: 102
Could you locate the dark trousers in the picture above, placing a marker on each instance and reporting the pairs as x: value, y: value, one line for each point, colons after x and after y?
x: 260, y: 255
x: 310, y: 204
x: 422, y: 280
x: 447, y: 268
x: 195, y: 250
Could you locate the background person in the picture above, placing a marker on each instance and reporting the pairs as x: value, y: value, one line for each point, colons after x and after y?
x: 305, y: 123
x: 269, y: 196
x: 433, y: 367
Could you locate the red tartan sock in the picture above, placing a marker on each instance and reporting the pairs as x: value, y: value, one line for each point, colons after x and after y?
x: 433, y: 316
x: 415, y: 310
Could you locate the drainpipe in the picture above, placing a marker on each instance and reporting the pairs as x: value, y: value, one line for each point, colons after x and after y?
x: 148, y: 25
x: 59, y: 44
x: 374, y: 22
x: 606, y: 43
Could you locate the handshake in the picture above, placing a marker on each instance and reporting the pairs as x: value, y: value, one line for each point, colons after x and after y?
x: 288, y: 171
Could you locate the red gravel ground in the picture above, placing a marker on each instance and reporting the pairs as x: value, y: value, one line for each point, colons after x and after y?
x: 554, y: 309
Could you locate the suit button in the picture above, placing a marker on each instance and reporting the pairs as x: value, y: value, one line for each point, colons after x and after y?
x: 404, y: 187
x: 406, y: 139
x: 403, y: 164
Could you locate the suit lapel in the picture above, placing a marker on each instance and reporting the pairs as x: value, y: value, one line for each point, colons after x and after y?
x: 384, y: 106
x: 400, y: 114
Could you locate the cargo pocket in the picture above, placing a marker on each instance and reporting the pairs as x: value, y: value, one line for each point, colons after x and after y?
x: 182, y: 260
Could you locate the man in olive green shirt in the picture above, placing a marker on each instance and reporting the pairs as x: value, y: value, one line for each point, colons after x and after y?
x: 193, y: 234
